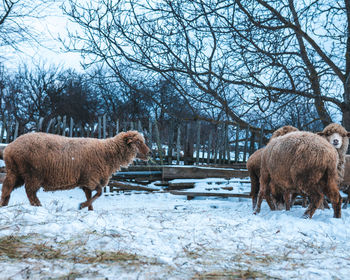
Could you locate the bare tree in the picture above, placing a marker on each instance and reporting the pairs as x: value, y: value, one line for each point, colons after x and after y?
x: 16, y: 17
x: 240, y: 59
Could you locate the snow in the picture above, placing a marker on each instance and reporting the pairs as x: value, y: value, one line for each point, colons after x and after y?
x: 173, y: 238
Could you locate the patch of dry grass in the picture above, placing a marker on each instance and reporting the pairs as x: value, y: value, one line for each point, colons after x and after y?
x: 24, y: 247
x: 235, y: 274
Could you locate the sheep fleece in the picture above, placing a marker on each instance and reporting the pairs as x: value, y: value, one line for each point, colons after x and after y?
x: 300, y: 160
x: 61, y: 163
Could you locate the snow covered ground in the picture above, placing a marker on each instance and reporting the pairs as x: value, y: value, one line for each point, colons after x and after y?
x: 162, y: 236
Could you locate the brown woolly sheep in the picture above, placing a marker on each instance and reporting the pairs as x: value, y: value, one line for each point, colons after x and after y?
x: 253, y: 166
x: 338, y: 137
x: 60, y: 163
x: 301, y: 162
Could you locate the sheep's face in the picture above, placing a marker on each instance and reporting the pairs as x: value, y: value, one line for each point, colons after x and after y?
x: 137, y: 142
x: 336, y: 140
x: 335, y: 135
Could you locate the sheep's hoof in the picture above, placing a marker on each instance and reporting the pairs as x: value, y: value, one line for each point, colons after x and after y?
x: 80, y: 206
x: 345, y: 205
x: 306, y: 216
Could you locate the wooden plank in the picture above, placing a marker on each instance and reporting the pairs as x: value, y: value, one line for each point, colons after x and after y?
x: 180, y: 185
x: 191, y: 195
x: 196, y: 172
x: 138, y: 174
x: 130, y: 186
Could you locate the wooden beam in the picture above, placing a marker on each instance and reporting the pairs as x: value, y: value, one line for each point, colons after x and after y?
x: 119, y: 186
x: 196, y: 172
x: 190, y: 195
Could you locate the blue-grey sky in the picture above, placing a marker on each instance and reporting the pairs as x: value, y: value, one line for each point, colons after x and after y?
x: 48, y: 29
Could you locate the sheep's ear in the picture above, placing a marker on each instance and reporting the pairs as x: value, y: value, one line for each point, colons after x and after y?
x: 129, y: 137
x: 320, y: 133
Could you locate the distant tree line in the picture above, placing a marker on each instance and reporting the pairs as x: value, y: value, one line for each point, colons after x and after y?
x: 248, y: 63
x: 41, y: 91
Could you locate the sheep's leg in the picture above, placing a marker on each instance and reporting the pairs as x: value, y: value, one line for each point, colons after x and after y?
x: 305, y: 201
x: 287, y: 199
x: 315, y: 202
x: 346, y: 202
x: 31, y: 194
x: 88, y: 192
x: 254, y: 190
x: 264, y: 192
x: 294, y: 197
x: 325, y: 204
x: 336, y: 200
x: 7, y: 187
x: 91, y: 200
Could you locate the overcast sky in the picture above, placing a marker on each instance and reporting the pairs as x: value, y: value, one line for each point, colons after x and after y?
x: 50, y: 27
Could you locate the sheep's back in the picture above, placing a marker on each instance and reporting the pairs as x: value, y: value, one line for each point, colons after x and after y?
x: 299, y: 158
x: 254, y: 162
x: 55, y: 160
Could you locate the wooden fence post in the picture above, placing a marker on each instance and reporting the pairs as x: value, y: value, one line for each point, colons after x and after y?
x: 58, y: 125
x: 49, y: 125
x: 227, y: 154
x: 2, y: 129
x: 198, y: 144
x: 261, y: 136
x: 16, y: 131
x: 160, y: 152
x: 209, y: 146
x: 170, y: 142
x: 237, y: 145
x: 150, y: 138
x: 104, y: 126
x: 64, y: 124
x: 99, y: 127
x: 178, y: 145
x: 252, y: 143
x: 246, y: 144
x: 71, y: 124
x: 8, y: 133
x: 40, y: 124
x: 139, y: 126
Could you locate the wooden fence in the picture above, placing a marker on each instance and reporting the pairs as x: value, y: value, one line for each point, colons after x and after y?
x: 188, y: 143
